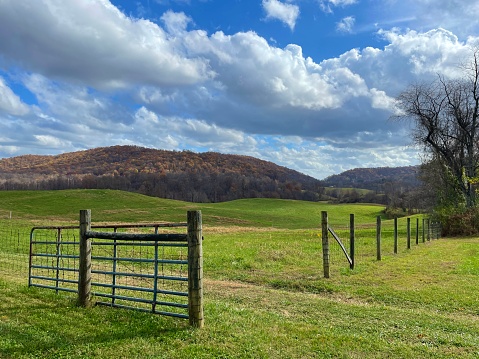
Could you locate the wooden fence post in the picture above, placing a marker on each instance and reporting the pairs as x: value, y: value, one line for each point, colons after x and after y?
x: 429, y: 229
x: 408, y: 233
x: 325, y: 242
x: 417, y: 231
x: 84, y: 273
x: 395, y: 235
x: 195, y: 269
x: 352, y: 237
x: 378, y: 238
x: 423, y: 230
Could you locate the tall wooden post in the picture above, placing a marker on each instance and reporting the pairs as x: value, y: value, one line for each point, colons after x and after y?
x: 195, y: 269
x: 352, y: 237
x: 417, y: 231
x: 395, y: 235
x: 378, y: 238
x: 428, y: 229
x: 84, y: 274
x: 423, y: 230
x: 325, y: 242
x: 408, y: 233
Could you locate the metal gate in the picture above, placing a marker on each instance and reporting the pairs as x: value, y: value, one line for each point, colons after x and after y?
x: 146, y: 271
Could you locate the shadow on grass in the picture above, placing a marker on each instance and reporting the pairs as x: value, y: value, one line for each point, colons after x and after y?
x: 38, y: 321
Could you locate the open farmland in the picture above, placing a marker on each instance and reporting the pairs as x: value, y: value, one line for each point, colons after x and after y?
x: 264, y: 292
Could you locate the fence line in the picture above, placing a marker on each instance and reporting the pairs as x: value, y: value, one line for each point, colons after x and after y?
x: 368, y: 242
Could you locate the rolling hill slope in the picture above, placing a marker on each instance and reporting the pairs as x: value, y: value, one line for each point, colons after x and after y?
x: 195, y: 177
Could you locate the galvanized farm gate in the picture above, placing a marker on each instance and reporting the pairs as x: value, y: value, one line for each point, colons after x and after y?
x: 161, y: 273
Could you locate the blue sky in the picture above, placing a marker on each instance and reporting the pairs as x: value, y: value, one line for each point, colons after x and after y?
x: 307, y: 84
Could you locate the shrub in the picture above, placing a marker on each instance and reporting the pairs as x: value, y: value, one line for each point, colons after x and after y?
x: 459, y: 222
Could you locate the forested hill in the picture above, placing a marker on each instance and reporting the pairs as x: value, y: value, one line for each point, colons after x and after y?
x: 197, y: 177
x: 375, y: 178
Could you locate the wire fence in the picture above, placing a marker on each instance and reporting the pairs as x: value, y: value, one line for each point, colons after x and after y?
x: 373, y: 241
x: 14, y: 250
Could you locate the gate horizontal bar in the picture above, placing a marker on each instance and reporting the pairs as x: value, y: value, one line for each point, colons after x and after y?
x: 64, y: 269
x: 148, y: 276
x: 176, y: 315
x: 100, y: 226
x: 140, y: 289
x: 141, y: 260
x: 136, y: 236
x: 48, y: 255
x: 55, y: 288
x: 143, y: 244
x: 141, y: 300
x: 140, y: 225
x: 55, y: 242
x: 72, y: 281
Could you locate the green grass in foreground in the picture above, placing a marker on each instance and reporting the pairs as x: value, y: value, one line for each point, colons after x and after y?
x: 264, y: 294
x: 415, y: 305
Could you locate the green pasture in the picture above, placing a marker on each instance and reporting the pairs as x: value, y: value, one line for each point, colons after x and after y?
x: 265, y: 296
x: 119, y: 206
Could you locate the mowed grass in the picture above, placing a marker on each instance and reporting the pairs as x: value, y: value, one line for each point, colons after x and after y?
x: 265, y: 296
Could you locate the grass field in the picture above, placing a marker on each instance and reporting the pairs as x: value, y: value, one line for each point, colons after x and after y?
x: 264, y: 292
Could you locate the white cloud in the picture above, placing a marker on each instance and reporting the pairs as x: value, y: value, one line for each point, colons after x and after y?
x: 51, y: 141
x: 346, y: 24
x: 187, y: 131
x: 287, y: 13
x: 327, y: 5
x: 176, y: 23
x: 106, y: 49
x: 10, y: 103
x: 459, y: 16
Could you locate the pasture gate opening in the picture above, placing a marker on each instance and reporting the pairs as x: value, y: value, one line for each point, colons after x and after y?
x: 161, y: 273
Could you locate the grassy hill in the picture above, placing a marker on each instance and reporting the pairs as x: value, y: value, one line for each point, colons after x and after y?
x: 119, y: 206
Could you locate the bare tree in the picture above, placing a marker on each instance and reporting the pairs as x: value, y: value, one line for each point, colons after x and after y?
x: 445, y: 114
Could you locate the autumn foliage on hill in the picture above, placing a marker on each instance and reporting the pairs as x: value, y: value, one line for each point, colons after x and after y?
x: 185, y: 175
x: 375, y: 178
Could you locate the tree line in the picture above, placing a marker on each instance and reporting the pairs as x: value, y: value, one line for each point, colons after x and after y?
x: 191, y: 187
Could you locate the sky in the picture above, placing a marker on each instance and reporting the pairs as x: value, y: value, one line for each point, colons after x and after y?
x: 306, y: 84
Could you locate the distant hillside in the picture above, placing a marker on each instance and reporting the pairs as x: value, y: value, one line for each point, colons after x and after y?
x: 375, y: 178
x: 197, y: 177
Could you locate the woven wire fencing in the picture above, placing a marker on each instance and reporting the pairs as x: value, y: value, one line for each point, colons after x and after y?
x: 14, y: 250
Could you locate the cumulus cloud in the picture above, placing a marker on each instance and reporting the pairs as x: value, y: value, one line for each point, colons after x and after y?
x: 105, y: 47
x: 10, y: 103
x: 182, y: 131
x: 175, y: 23
x: 287, y: 13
